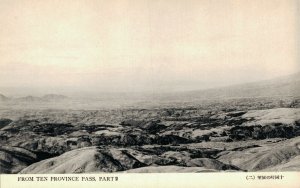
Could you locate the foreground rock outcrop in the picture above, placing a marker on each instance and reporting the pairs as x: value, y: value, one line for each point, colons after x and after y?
x: 84, y: 160
x: 14, y: 159
x: 95, y: 159
x: 275, y: 156
x: 169, y: 169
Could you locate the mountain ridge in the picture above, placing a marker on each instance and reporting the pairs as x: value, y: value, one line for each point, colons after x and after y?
x: 31, y: 98
x: 281, y: 86
x: 285, y: 86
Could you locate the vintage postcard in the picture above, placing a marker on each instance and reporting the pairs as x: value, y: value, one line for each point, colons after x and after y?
x: 149, y: 93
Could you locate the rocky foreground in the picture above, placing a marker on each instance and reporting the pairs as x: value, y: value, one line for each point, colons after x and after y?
x: 157, y: 140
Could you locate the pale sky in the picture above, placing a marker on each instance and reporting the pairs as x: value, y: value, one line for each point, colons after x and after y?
x: 145, y: 45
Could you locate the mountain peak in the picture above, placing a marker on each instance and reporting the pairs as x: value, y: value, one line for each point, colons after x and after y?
x: 54, y: 97
x: 3, y: 97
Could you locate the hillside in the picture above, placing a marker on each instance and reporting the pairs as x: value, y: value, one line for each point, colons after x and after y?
x: 3, y: 98
x: 287, y: 86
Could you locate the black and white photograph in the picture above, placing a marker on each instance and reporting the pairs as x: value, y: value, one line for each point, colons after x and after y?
x: 149, y: 86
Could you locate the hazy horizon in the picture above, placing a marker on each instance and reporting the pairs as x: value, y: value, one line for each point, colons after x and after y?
x: 157, y: 46
x: 40, y: 92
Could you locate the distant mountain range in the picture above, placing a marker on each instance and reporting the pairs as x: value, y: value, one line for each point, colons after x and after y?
x: 3, y: 98
x: 287, y: 86
x: 45, y: 98
x: 284, y: 86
